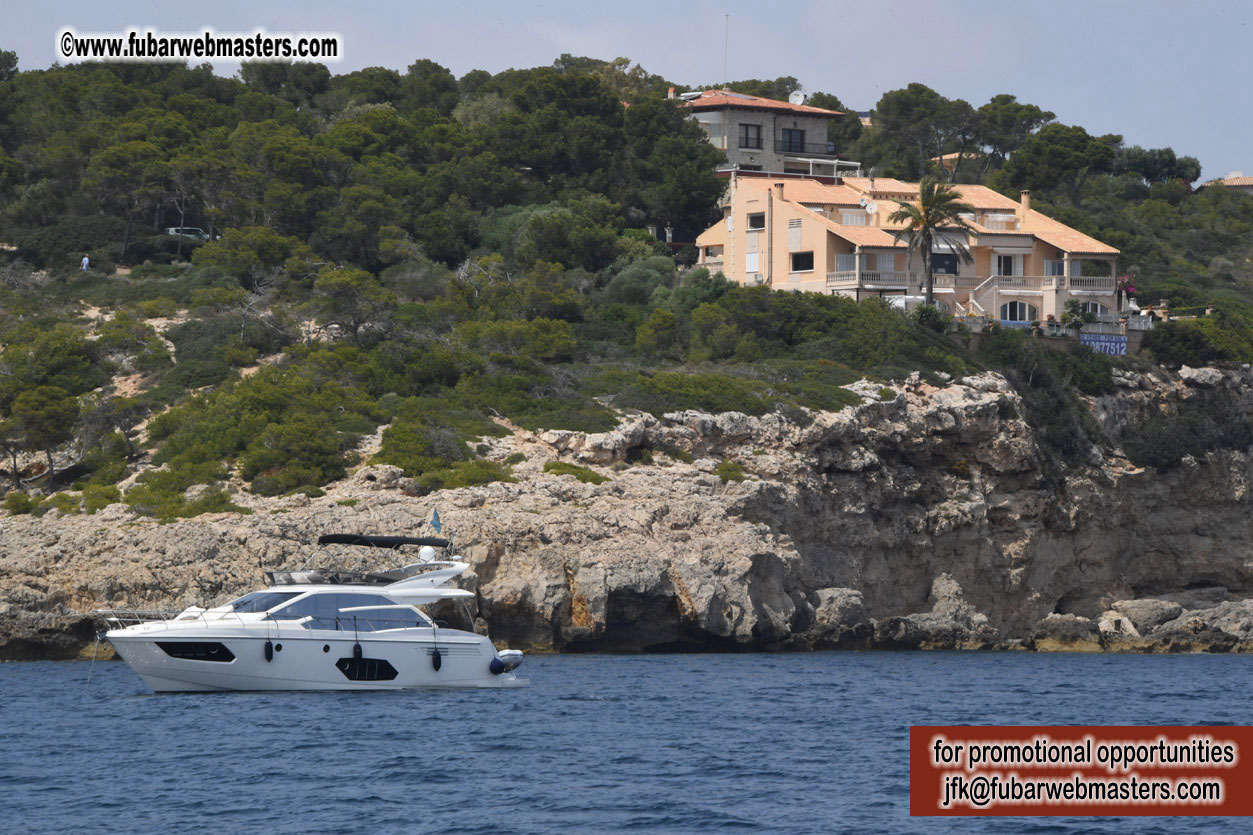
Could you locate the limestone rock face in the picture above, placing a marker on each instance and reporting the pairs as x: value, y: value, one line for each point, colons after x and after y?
x: 922, y: 521
x: 1149, y: 613
x: 1201, y: 377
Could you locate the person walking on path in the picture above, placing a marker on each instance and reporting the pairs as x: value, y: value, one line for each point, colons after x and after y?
x: 86, y: 262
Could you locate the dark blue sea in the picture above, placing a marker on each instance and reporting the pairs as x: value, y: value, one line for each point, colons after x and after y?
x: 646, y: 743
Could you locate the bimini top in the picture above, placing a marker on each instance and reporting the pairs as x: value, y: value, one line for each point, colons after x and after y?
x: 380, y: 541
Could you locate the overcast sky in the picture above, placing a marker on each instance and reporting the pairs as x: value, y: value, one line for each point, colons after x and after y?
x: 1159, y: 73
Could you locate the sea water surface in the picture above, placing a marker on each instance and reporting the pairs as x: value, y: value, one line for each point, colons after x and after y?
x: 598, y: 743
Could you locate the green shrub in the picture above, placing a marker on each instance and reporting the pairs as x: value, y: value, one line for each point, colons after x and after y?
x: 20, y: 503
x: 729, y: 470
x: 99, y: 496
x: 299, y: 452
x: 1085, y: 369
x: 515, y: 458
x: 583, y: 474
x: 668, y: 391
x: 550, y: 340
x: 1200, y: 425
x: 463, y: 474
x: 418, y: 447
x: 931, y: 317
x: 159, y: 308
x: 162, y: 493
x: 674, y: 451
x: 66, y: 504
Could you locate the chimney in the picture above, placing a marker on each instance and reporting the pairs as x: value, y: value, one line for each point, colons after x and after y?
x: 778, y: 191
x: 669, y: 234
x: 670, y: 93
x: 1026, y: 199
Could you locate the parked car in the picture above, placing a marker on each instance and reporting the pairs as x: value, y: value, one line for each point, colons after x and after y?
x: 194, y: 232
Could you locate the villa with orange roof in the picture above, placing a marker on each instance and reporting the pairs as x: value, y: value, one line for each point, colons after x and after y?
x: 834, y: 237
x: 761, y: 134
x: 1235, y: 181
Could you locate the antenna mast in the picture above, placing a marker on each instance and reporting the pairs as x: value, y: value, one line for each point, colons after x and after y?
x: 726, y: 42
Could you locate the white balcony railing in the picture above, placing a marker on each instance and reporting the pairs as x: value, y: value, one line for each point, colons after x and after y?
x: 877, y: 279
x: 1027, y: 283
x: 1092, y: 284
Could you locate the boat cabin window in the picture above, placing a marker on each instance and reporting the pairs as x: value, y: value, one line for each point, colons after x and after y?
x: 261, y: 601
x: 325, y: 608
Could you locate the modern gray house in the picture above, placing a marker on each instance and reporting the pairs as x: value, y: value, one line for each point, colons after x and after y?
x: 759, y: 134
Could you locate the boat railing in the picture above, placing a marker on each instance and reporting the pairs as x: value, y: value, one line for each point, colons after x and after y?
x: 121, y: 618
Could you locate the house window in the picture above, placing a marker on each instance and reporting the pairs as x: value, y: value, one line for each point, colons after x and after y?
x: 1095, y: 308
x: 944, y: 263
x: 750, y: 167
x: 1054, y: 266
x: 1019, y: 312
x: 853, y: 217
x: 751, y: 262
x: 793, y: 141
x: 1005, y: 265
x: 802, y: 262
x: 885, y: 262
x: 750, y: 137
x: 757, y: 220
x: 845, y: 262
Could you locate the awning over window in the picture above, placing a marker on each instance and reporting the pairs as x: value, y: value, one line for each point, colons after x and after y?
x: 1012, y: 250
x: 943, y: 245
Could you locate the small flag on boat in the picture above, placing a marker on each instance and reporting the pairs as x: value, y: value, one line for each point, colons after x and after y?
x: 435, y: 523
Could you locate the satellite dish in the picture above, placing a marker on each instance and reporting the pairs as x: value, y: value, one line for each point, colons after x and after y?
x: 862, y: 202
x: 872, y: 208
x: 796, y: 97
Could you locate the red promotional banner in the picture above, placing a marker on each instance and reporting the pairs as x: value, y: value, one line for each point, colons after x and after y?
x: 1076, y: 770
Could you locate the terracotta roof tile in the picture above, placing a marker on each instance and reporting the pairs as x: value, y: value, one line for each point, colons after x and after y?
x: 800, y: 190
x: 1062, y: 236
x: 882, y: 185
x: 719, y: 99
x: 982, y: 197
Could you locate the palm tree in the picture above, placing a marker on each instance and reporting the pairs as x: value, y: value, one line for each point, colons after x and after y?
x: 939, y: 207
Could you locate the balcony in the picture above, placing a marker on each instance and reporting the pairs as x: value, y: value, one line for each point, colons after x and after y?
x: 874, y: 279
x: 1040, y: 283
x: 1029, y: 283
x: 805, y: 149
x: 1092, y: 284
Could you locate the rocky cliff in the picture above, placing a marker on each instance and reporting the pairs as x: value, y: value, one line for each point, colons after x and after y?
x: 919, y: 520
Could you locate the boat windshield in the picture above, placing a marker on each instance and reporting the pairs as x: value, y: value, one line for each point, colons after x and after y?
x: 324, y: 610
x: 261, y: 601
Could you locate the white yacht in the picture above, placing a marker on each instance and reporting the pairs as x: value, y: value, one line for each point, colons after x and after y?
x: 320, y: 629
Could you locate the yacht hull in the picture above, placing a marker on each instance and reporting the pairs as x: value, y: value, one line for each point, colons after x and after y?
x: 192, y: 660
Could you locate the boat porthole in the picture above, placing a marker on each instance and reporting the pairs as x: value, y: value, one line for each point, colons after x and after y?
x: 278, y: 647
x: 326, y: 647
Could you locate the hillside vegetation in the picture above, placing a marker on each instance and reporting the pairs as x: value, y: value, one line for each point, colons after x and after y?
x: 448, y: 257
